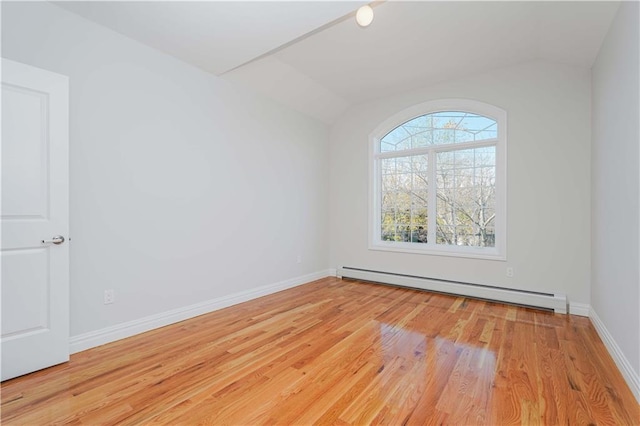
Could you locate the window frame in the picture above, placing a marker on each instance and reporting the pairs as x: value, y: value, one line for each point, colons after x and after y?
x: 499, y: 251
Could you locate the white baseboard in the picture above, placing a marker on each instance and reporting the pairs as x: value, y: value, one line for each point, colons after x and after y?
x: 95, y: 338
x: 581, y: 309
x: 631, y: 377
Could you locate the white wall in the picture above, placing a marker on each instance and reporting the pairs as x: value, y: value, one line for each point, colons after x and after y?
x: 548, y: 203
x: 184, y: 188
x: 615, y: 290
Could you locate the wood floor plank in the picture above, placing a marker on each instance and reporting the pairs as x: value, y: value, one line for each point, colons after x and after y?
x: 339, y: 352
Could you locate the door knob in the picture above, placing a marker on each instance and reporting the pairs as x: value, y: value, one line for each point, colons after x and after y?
x: 58, y: 239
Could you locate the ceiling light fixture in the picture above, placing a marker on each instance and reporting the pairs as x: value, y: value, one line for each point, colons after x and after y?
x: 364, y: 16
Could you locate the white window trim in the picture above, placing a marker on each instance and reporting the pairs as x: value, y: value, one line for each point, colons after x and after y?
x: 499, y: 252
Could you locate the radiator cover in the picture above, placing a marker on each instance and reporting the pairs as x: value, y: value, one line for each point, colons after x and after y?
x: 556, y: 302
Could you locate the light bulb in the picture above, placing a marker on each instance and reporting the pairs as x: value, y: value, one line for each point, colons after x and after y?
x: 364, y: 16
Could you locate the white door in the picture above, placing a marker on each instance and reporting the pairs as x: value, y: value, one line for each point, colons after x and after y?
x: 34, y: 211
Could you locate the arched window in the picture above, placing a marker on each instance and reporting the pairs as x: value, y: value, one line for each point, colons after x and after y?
x: 439, y: 180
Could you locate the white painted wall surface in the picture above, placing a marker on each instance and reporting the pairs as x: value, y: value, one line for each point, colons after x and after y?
x: 548, y: 184
x: 615, y: 290
x: 184, y: 188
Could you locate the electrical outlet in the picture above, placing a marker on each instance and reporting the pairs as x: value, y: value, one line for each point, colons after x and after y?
x: 109, y: 296
x: 510, y: 272
x: 299, y: 259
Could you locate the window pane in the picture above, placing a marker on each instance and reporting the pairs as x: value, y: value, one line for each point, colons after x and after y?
x: 444, y: 234
x: 403, y: 199
x: 465, y: 207
x: 439, y: 128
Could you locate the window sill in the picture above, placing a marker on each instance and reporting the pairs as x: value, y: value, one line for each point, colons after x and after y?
x: 464, y: 252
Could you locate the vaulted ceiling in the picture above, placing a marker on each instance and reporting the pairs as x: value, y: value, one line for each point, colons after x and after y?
x: 312, y: 56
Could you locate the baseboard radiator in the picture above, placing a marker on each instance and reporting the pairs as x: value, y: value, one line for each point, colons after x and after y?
x: 555, y: 302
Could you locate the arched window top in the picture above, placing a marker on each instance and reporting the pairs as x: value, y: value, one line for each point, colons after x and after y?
x: 439, y: 128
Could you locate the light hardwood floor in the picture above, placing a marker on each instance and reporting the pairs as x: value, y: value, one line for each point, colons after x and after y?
x: 339, y: 352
